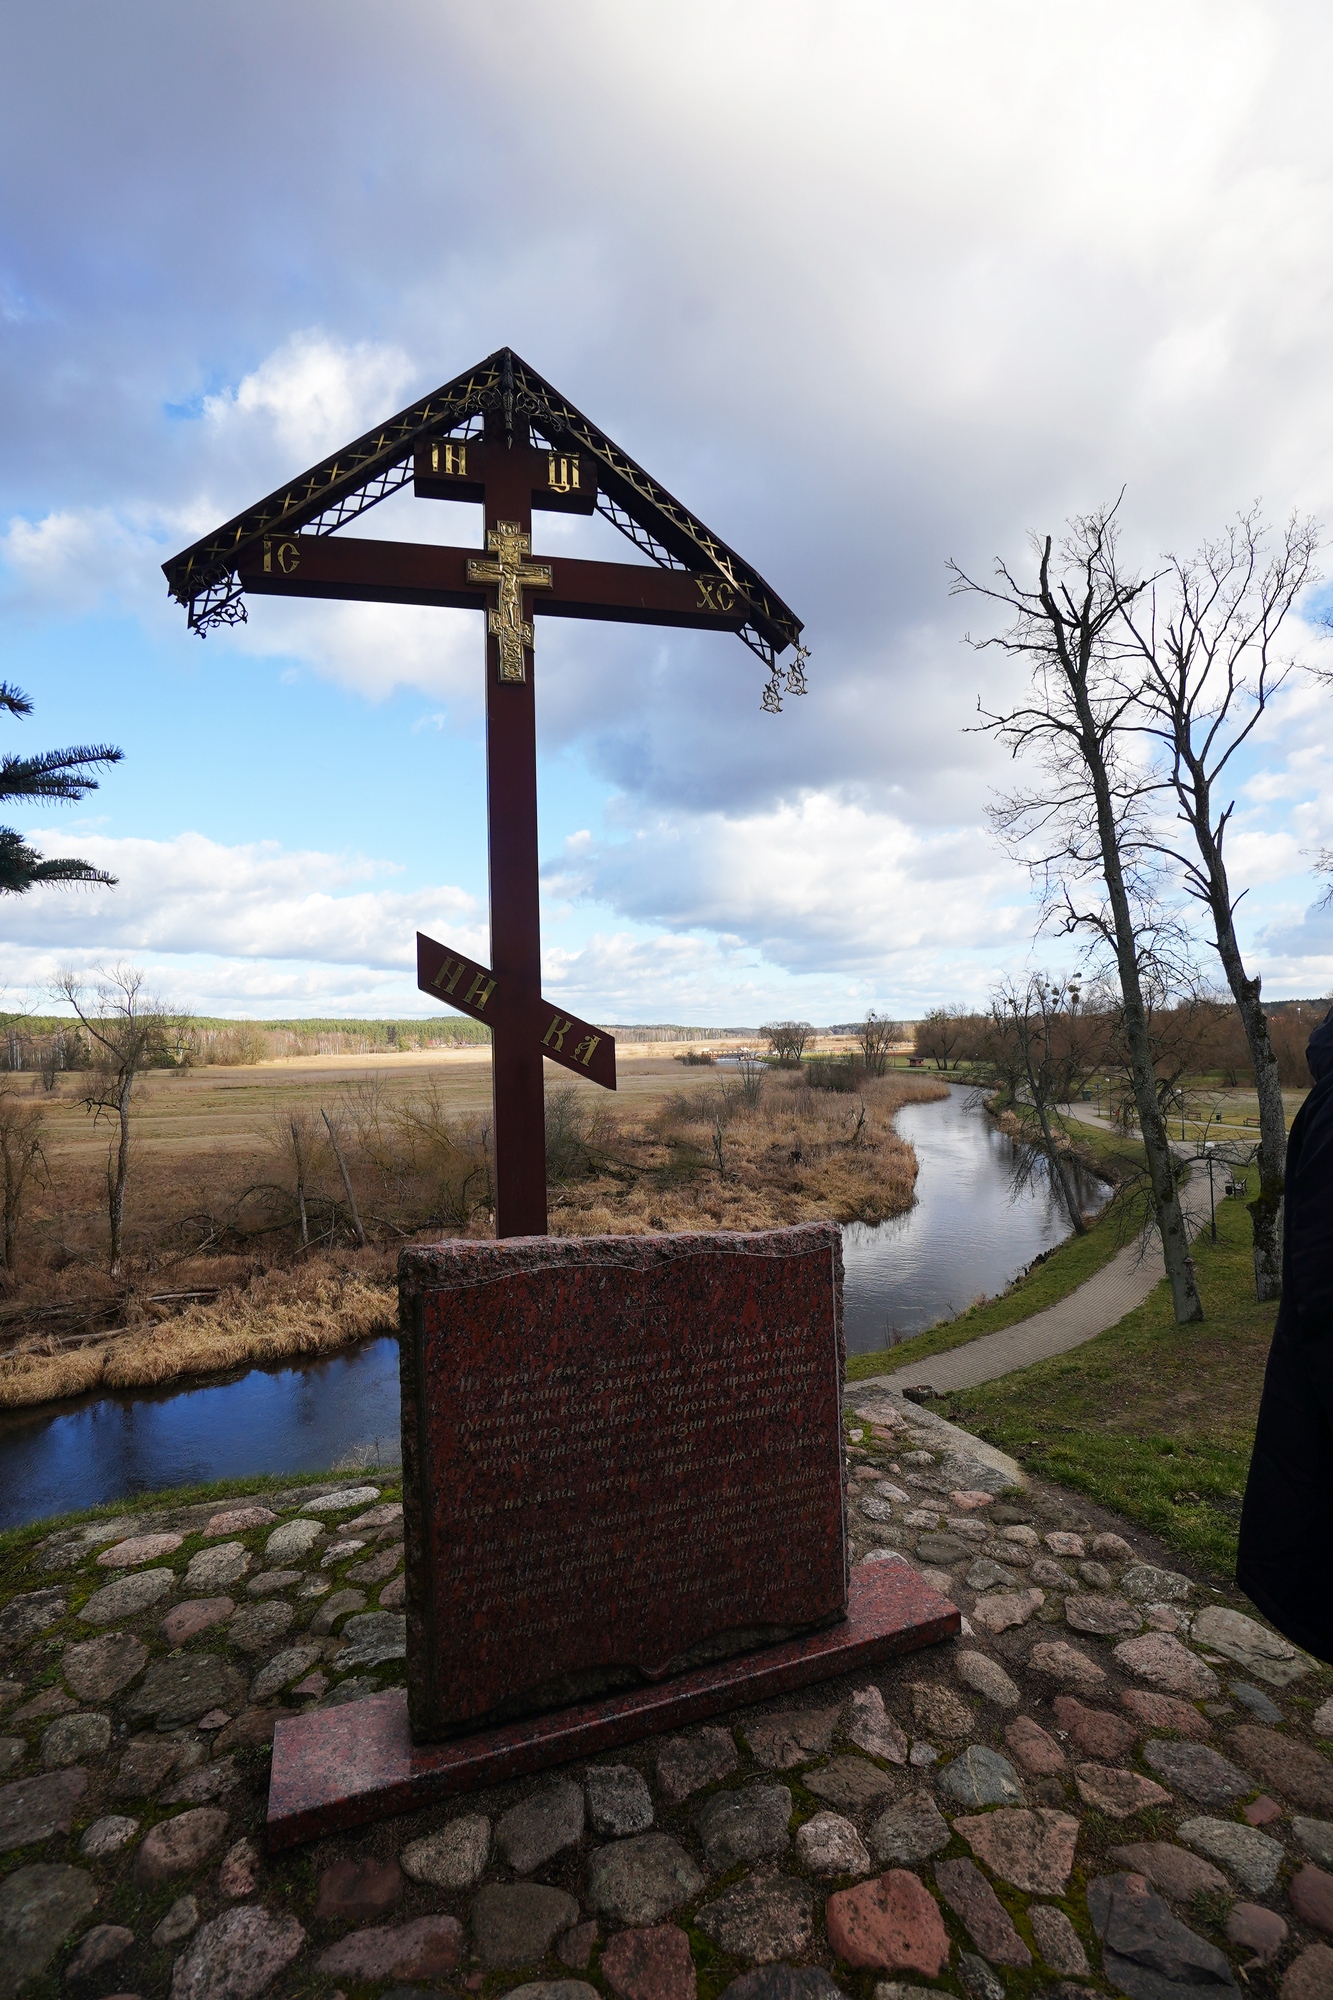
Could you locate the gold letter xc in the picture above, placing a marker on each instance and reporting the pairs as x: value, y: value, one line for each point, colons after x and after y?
x: 512, y: 576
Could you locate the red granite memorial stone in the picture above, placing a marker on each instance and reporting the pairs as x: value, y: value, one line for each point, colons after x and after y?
x: 622, y: 1459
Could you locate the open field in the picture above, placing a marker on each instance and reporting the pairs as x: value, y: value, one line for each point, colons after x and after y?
x: 183, y: 1113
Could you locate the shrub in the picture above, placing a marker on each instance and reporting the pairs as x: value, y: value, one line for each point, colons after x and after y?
x: 835, y: 1073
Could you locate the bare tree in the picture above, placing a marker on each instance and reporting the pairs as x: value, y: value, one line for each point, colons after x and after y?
x: 752, y: 1071
x: 1082, y: 823
x: 297, y: 1136
x: 787, y: 1039
x: 357, y: 1224
x: 128, y: 1031
x: 877, y: 1035
x: 941, y: 1035
x: 1206, y: 668
x: 1045, y: 1048
x: 22, y: 1164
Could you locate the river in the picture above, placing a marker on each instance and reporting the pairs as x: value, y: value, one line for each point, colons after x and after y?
x: 969, y: 1233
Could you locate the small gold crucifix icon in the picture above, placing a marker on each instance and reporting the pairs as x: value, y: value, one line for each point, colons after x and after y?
x: 508, y: 544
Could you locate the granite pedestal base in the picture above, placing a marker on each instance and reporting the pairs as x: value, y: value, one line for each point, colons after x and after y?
x: 341, y: 1767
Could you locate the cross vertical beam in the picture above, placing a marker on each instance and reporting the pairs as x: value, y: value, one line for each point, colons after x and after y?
x: 517, y: 1081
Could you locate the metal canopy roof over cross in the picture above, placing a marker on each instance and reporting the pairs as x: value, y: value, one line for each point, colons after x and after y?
x: 205, y: 577
x: 476, y: 439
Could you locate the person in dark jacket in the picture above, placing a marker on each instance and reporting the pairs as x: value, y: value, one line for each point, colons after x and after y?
x: 1285, y: 1564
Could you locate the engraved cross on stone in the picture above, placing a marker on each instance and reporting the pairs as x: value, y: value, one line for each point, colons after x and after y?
x: 512, y: 576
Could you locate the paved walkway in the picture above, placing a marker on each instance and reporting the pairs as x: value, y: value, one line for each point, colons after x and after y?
x: 1105, y: 1298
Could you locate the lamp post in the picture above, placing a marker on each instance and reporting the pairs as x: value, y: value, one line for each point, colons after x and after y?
x: 1212, y: 1203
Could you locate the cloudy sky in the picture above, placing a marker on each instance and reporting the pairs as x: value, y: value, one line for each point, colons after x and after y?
x: 869, y: 286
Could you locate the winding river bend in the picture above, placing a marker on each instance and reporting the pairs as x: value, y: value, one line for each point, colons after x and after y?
x: 970, y: 1232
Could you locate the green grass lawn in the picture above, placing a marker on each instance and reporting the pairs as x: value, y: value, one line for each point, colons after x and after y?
x: 1151, y: 1418
x: 1062, y: 1271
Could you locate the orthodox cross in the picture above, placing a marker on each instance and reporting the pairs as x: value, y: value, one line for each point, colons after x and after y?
x: 502, y: 436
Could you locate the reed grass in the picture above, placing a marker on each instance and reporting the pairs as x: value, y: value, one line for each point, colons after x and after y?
x: 278, y: 1317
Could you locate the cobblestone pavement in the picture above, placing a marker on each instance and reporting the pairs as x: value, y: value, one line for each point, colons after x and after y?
x: 1114, y: 1781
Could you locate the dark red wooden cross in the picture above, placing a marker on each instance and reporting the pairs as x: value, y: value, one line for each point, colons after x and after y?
x: 510, y: 480
x: 288, y: 544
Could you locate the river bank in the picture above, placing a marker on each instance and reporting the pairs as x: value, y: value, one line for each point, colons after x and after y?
x: 706, y: 1159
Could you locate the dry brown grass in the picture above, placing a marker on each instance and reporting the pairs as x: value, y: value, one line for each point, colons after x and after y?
x: 800, y: 1155
x: 309, y: 1310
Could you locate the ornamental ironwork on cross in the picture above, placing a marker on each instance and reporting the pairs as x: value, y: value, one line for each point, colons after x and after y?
x: 502, y: 436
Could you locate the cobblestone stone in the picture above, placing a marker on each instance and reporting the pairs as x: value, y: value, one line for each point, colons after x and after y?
x: 538, y: 1828
x: 766, y: 1916
x: 1118, y: 1793
x: 237, y: 1956
x: 40, y: 1906
x: 870, y: 1726
x: 1038, y: 1753
x: 1200, y: 1773
x: 32, y: 1809
x: 73, y: 1738
x: 1033, y: 1851
x: 981, y: 1777
x: 619, y: 1801
x: 1058, y: 1942
x: 783, y: 1742
x: 1292, y: 1768
x: 1145, y: 1949
x: 891, y: 1924
x: 968, y: 1893
x: 98, y: 1669
x: 853, y: 1783
x: 1160, y: 1658
x: 453, y: 1859
x: 212, y: 1570
x: 829, y: 1845
x: 125, y: 1598
x: 651, y: 1964
x: 515, y: 1923
x: 1252, y: 1857
x: 744, y: 1825
x: 1175, y: 1870
x: 909, y: 1832
x: 641, y: 1880
x: 685, y: 1764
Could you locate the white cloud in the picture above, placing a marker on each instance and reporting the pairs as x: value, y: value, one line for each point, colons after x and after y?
x: 370, y: 649
x: 76, y: 560
x: 310, y: 396
x: 254, y: 907
x: 817, y: 885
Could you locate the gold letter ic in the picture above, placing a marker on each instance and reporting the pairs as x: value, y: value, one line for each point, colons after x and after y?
x: 288, y: 556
